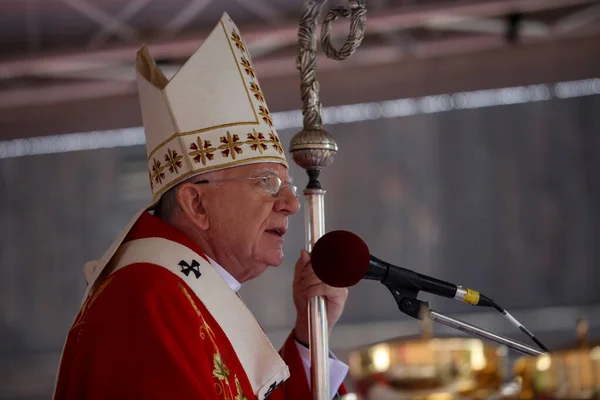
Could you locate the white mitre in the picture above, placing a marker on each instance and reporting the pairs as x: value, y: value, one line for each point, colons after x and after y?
x: 211, y: 115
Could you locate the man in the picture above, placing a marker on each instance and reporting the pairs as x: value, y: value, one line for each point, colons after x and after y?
x: 161, y: 317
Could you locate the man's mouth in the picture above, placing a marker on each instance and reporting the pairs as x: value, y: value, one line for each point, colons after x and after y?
x: 276, y: 231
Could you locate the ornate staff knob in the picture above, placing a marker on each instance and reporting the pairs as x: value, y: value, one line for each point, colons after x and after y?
x: 313, y: 150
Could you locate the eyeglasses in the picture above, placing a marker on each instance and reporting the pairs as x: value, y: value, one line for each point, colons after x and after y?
x: 272, y: 183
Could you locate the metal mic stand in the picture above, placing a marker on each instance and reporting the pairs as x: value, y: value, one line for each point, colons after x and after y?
x: 409, y: 304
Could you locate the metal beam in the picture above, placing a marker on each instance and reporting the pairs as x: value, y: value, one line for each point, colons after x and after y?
x: 105, y: 31
x: 388, y: 21
x: 126, y: 32
x: 120, y: 79
x: 578, y: 19
x: 264, y: 10
x: 489, y: 25
x: 184, y: 17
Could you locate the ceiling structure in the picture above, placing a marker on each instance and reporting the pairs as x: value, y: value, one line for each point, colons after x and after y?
x: 80, y: 52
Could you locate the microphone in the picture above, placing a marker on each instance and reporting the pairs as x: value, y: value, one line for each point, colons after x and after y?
x: 342, y: 259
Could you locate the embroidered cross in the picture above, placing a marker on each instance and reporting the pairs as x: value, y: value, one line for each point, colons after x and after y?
x: 237, y: 39
x: 257, y: 141
x: 202, y: 152
x: 247, y: 67
x: 272, y: 388
x: 173, y: 161
x: 266, y: 115
x: 157, y: 171
x: 257, y: 93
x: 186, y: 268
x: 230, y: 145
x: 276, y: 143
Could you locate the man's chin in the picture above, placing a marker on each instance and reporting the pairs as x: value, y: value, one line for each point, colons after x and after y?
x: 275, y: 260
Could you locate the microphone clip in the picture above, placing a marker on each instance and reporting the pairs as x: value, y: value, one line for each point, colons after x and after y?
x: 407, y: 301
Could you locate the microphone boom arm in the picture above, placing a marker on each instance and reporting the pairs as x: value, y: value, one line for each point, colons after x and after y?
x: 409, y: 304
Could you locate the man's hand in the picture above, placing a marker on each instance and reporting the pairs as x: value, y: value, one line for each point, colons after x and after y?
x: 307, y: 285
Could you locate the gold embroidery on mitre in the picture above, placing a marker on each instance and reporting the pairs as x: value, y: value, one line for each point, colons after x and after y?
x: 231, y: 145
x: 257, y: 141
x: 266, y: 115
x: 173, y: 161
x: 247, y: 67
x: 257, y: 92
x: 157, y: 171
x: 180, y: 178
x: 276, y: 143
x: 226, y: 125
x: 202, y: 152
x: 226, y: 142
x: 237, y: 39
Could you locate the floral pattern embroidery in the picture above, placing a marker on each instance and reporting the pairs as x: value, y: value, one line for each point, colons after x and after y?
x: 257, y: 141
x: 157, y: 171
x: 80, y: 320
x: 231, y: 145
x: 257, y: 93
x: 276, y: 143
x: 237, y: 39
x: 266, y: 115
x: 173, y: 161
x: 238, y: 387
x: 202, y: 152
x: 220, y: 371
x: 247, y: 67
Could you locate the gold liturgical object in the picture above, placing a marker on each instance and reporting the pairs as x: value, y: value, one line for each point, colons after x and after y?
x: 565, y: 374
x: 429, y: 368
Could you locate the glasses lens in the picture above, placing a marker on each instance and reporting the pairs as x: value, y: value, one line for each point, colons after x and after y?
x: 273, y: 185
x: 294, y: 190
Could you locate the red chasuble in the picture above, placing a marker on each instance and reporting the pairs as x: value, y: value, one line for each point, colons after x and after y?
x: 144, y: 334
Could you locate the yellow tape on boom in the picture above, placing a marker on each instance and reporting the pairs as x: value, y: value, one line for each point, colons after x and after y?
x: 472, y: 297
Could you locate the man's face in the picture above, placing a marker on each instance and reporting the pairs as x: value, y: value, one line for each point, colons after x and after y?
x: 246, y: 225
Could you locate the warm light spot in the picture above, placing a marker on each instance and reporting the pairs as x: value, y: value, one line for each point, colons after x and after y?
x: 381, y: 357
x: 543, y: 363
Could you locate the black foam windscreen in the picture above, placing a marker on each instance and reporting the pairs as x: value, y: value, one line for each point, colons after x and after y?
x: 340, y: 258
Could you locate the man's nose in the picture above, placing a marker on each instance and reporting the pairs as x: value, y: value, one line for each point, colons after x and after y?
x: 287, y: 202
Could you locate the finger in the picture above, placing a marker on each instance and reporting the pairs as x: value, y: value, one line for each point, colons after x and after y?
x: 331, y: 293
x: 309, y: 278
x: 301, y: 264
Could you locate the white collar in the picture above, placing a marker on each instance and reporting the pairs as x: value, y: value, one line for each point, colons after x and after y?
x: 227, y: 277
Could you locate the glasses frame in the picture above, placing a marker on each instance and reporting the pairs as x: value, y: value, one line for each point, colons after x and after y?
x: 263, y: 180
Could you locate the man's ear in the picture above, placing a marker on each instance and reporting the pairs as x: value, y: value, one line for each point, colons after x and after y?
x: 191, y: 199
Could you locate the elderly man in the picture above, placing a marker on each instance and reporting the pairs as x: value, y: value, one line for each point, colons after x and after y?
x: 161, y: 317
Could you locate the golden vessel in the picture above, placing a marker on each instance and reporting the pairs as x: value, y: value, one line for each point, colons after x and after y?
x: 429, y: 368
x: 565, y: 374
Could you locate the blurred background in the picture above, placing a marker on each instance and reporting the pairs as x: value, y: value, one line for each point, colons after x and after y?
x: 469, y: 149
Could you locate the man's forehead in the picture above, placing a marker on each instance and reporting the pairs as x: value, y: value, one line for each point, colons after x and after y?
x: 276, y: 169
x: 260, y: 170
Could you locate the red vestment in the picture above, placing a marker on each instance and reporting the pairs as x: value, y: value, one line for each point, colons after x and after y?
x: 144, y: 334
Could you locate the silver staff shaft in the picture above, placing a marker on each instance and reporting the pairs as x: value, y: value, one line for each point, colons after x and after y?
x: 317, y: 312
x: 313, y: 149
x: 482, y: 333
